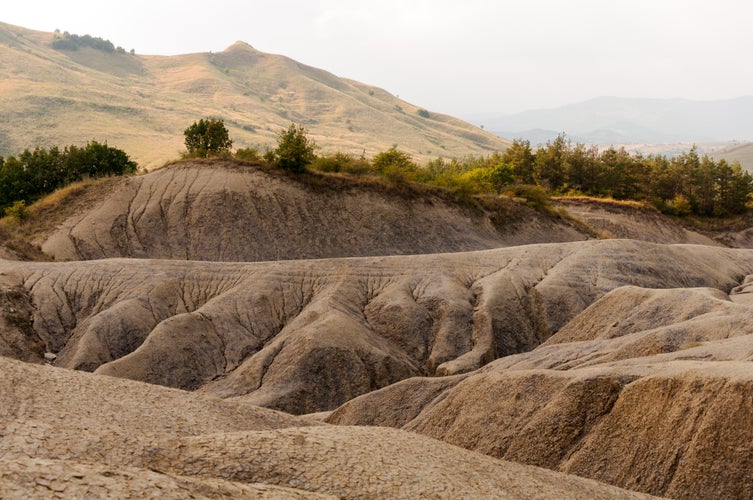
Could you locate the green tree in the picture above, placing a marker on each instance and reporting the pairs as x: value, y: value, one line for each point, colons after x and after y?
x: 395, y: 165
x: 207, y: 137
x: 294, y: 149
x: 740, y: 189
x: 582, y: 169
x: 549, y: 166
x: 705, y: 179
x: 621, y: 174
x: 33, y: 174
x: 520, y: 158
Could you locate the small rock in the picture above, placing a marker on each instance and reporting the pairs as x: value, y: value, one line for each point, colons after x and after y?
x: 50, y: 356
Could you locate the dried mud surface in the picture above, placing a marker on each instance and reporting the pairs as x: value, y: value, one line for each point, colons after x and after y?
x: 465, y: 374
x: 69, y: 434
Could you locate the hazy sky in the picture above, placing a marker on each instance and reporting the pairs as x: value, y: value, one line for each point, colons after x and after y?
x: 460, y: 56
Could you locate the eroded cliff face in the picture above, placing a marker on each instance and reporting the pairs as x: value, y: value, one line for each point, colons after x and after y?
x: 647, y: 389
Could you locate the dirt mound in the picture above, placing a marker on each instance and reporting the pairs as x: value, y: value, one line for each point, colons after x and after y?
x: 679, y: 430
x: 332, y: 460
x: 282, y: 334
x: 73, y: 434
x: 226, y: 212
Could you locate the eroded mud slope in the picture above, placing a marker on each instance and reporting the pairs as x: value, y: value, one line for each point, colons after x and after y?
x: 646, y: 389
x: 230, y: 213
x: 307, y: 336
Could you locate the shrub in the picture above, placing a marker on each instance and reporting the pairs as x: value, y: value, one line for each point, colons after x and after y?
x: 500, y: 176
x: 18, y: 211
x: 392, y: 158
x: 681, y: 205
x: 338, y: 162
x: 394, y: 165
x: 248, y: 154
x: 535, y: 197
x: 294, y: 149
x: 207, y: 138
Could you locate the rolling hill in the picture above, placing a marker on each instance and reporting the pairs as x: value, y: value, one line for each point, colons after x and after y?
x: 742, y: 153
x: 142, y: 104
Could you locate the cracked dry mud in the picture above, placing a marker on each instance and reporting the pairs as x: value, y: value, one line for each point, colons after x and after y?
x: 619, y: 361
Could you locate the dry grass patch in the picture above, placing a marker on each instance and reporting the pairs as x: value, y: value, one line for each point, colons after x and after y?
x: 45, y: 215
x: 606, y: 201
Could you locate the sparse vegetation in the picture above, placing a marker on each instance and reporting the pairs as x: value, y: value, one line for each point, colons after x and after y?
x: 68, y: 41
x: 683, y: 185
x: 47, y: 213
x: 294, y: 149
x: 248, y: 154
x: 18, y: 211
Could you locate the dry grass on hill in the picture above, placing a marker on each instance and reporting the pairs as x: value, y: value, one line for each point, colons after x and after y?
x: 142, y: 104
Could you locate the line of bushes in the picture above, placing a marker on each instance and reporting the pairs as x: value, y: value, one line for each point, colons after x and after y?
x: 72, y: 42
x: 33, y: 174
x: 681, y: 185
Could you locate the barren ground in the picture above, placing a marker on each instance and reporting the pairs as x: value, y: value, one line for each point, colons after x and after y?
x: 466, y: 369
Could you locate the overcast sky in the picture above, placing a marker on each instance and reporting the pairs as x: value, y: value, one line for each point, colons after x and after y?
x: 460, y: 57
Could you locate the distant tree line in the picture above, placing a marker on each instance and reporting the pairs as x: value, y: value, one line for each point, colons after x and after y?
x: 68, y: 41
x: 681, y: 185
x: 34, y: 174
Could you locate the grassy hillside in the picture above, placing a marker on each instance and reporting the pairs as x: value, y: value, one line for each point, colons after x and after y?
x: 142, y: 104
x: 742, y: 153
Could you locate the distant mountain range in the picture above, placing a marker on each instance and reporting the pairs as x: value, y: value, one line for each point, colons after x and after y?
x: 63, y: 89
x: 614, y: 120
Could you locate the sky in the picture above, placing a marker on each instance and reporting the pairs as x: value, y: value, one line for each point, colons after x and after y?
x: 461, y: 57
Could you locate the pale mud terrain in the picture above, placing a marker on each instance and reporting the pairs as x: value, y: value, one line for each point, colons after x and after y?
x: 69, y: 434
x: 283, y: 334
x: 622, y: 361
x: 235, y: 213
x: 647, y: 389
